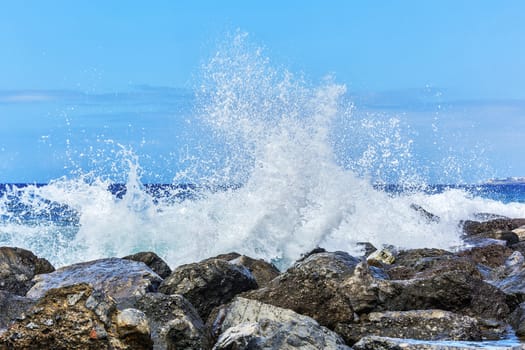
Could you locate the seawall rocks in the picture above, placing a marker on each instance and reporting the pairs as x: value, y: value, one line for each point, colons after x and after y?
x: 326, y: 300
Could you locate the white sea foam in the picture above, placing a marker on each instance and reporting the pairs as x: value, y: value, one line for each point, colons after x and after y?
x: 279, y: 142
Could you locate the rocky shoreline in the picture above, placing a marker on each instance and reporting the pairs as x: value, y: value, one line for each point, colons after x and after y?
x: 385, y: 299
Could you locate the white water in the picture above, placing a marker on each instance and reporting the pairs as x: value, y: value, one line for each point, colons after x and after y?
x: 282, y: 141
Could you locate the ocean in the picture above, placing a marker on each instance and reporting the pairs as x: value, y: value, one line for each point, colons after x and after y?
x: 277, y: 167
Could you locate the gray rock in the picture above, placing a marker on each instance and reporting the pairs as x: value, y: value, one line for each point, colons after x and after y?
x: 153, y: 261
x: 249, y: 324
x: 415, y: 324
x: 174, y: 322
x: 209, y: 283
x: 18, y: 267
x: 119, y: 278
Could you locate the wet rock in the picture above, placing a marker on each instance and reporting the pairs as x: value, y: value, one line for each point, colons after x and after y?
x: 385, y: 343
x: 78, y: 317
x: 153, y: 261
x: 119, y: 278
x: 13, y: 307
x: 418, y: 324
x: 18, y: 267
x: 313, y: 287
x: 209, y: 283
x: 249, y: 324
x: 174, y: 322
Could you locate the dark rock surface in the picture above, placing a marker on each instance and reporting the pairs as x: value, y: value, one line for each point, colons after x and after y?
x: 153, y: 261
x: 209, y: 283
x: 18, y: 267
x: 174, y: 322
x: 119, y: 278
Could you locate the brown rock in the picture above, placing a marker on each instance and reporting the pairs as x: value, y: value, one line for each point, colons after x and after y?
x: 77, y: 317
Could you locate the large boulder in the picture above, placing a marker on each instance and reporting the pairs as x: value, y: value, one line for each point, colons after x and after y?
x: 18, y: 267
x: 249, y: 324
x: 313, y: 287
x: 209, y: 283
x: 174, y: 322
x: 119, y: 278
x: 78, y: 317
x: 415, y: 324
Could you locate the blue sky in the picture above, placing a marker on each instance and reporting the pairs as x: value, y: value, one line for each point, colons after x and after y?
x: 63, y: 63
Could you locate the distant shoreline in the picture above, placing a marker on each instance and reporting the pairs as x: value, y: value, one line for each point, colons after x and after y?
x: 507, y: 181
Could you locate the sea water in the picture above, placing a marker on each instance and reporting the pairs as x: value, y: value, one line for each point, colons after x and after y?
x: 285, y: 166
